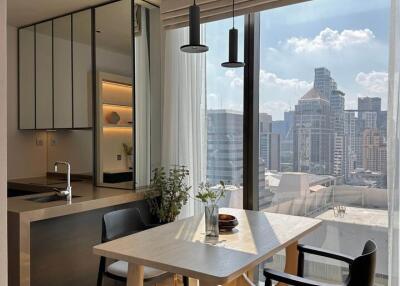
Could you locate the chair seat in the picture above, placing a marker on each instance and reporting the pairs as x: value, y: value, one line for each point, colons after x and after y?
x: 120, y: 268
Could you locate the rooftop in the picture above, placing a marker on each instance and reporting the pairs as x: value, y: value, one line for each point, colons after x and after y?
x: 359, y: 216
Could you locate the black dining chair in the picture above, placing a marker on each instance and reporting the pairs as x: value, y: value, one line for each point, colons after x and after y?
x: 361, y: 268
x: 118, y: 224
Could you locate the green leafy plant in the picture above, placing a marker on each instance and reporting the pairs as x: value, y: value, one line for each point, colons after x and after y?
x: 127, y: 149
x: 211, y: 196
x: 173, y: 192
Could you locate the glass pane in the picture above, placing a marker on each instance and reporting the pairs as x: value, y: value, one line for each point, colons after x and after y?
x: 323, y: 110
x: 115, y: 95
x: 225, y: 112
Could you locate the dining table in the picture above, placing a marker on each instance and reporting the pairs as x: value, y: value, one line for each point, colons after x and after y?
x: 182, y: 247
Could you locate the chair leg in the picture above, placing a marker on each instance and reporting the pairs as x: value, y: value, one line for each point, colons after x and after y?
x: 268, y: 282
x: 102, y: 268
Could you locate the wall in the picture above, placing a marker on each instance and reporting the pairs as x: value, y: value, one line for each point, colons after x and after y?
x: 25, y: 157
x: 3, y: 143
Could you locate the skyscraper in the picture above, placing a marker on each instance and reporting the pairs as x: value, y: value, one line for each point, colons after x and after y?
x: 225, y: 147
x: 269, y: 143
x: 350, y: 143
x: 337, y: 119
x: 374, y: 151
x: 313, y: 137
x: 324, y: 83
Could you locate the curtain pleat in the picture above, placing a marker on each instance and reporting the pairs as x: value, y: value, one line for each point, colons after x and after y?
x: 184, y: 112
x: 394, y: 145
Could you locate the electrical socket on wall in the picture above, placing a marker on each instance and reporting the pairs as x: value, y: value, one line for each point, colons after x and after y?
x: 39, y: 141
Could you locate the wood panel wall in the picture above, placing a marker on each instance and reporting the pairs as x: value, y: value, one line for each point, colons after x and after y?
x: 3, y: 142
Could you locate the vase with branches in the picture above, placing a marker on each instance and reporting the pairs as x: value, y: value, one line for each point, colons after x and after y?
x: 173, y: 191
x: 210, y: 197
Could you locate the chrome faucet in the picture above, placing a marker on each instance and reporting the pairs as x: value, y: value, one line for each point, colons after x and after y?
x: 68, y: 191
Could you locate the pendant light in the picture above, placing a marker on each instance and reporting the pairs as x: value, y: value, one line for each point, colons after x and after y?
x: 194, y: 32
x: 233, y: 45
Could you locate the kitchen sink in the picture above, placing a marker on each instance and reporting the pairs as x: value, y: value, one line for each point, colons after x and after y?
x: 51, y: 198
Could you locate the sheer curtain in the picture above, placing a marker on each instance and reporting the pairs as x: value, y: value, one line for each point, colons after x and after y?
x: 142, y: 104
x: 394, y: 144
x: 184, y: 112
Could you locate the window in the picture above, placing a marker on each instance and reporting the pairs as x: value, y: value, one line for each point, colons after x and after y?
x: 224, y: 112
x: 323, y: 102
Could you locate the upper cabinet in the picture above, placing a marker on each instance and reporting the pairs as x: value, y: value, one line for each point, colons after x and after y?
x: 55, y: 65
x: 26, y: 77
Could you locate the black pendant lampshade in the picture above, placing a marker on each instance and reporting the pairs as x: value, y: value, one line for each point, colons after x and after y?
x: 194, y: 32
x: 233, y: 45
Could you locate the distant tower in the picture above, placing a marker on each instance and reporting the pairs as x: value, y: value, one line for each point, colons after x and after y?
x: 324, y: 83
x: 313, y: 136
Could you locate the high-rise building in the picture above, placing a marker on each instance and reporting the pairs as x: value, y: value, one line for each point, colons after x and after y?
x: 374, y: 151
x: 324, y: 83
x: 225, y: 147
x: 350, y: 142
x: 369, y: 104
x: 269, y: 143
x: 313, y: 137
x: 286, y: 159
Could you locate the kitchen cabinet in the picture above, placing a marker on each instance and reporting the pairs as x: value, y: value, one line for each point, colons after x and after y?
x: 55, y: 66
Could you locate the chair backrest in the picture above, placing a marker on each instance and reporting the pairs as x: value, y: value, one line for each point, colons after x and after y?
x: 362, y: 270
x: 120, y: 223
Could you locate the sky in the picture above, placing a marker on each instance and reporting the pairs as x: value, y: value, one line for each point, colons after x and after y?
x: 349, y: 37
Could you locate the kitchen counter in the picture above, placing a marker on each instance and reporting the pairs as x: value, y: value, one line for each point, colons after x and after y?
x: 88, y: 198
x: 32, y: 225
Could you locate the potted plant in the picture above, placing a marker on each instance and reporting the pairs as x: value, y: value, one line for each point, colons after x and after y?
x: 173, y: 193
x: 128, y: 150
x: 210, y: 197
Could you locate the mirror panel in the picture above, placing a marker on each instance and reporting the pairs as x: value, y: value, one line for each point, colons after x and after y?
x: 62, y: 72
x: 115, y: 110
x: 44, y: 76
x: 26, y: 77
x: 82, y: 69
x: 142, y: 98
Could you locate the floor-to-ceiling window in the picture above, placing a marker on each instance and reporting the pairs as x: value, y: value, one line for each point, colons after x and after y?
x: 224, y: 93
x: 322, y: 119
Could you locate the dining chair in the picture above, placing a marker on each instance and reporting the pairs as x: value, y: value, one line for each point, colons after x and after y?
x: 361, y: 268
x: 118, y: 224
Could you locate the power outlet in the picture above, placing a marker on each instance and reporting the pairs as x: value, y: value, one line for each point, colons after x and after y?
x: 119, y: 157
x: 39, y: 141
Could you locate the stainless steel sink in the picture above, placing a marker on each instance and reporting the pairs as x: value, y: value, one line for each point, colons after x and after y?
x: 50, y: 198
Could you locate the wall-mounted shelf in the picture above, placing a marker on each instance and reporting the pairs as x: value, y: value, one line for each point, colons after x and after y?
x: 114, y: 94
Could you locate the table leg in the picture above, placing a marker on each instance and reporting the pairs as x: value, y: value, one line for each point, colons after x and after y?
x: 135, y: 275
x: 291, y: 260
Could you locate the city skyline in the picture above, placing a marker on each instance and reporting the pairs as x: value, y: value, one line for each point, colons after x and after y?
x: 354, y: 49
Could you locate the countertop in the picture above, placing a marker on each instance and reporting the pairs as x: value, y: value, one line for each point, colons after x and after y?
x: 89, y: 198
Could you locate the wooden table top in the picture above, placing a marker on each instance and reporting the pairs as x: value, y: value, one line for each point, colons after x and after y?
x: 181, y: 247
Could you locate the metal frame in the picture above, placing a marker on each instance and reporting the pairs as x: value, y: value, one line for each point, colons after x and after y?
x: 251, y: 111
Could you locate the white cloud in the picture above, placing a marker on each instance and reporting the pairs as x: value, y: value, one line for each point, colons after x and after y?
x: 236, y: 80
x: 271, y: 79
x: 330, y: 39
x: 272, y: 107
x: 375, y: 82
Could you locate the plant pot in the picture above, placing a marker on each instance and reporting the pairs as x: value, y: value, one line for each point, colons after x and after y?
x: 211, y: 220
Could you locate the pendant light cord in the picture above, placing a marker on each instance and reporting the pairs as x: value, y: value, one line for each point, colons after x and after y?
x: 233, y: 13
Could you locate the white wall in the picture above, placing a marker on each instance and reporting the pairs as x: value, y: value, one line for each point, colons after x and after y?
x: 25, y: 158
x: 3, y: 143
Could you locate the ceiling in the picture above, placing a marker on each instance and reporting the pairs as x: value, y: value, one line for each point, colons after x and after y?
x: 24, y: 12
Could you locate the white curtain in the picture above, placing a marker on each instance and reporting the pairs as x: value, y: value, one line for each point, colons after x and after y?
x: 184, y: 117
x: 394, y: 145
x: 142, y: 105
